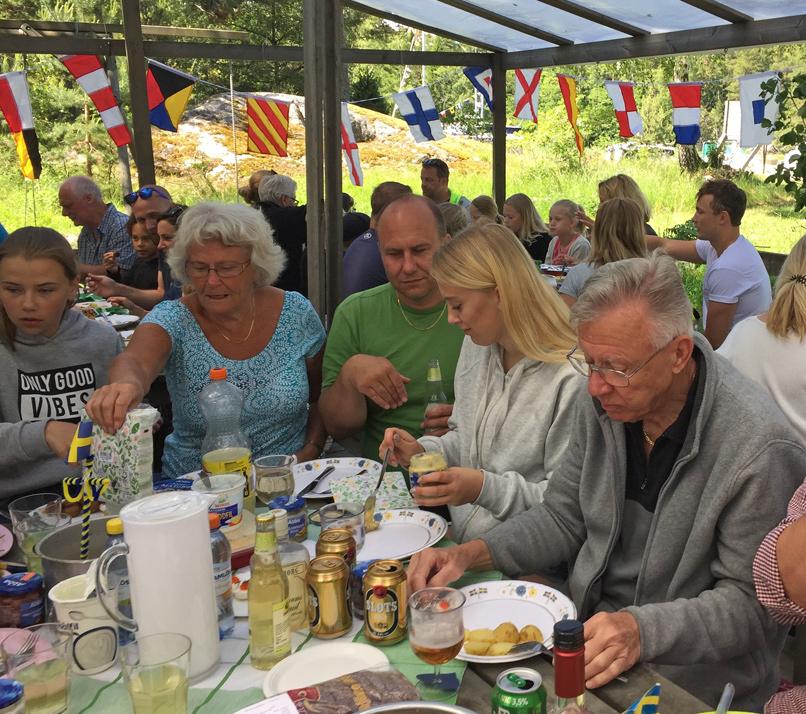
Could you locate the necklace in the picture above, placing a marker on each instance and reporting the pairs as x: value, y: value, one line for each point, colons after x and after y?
x: 649, y: 441
x: 422, y: 329
x: 248, y: 334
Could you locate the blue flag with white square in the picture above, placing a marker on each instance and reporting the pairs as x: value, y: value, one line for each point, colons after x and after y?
x: 417, y: 108
x: 647, y: 703
x: 754, y: 109
x: 482, y: 79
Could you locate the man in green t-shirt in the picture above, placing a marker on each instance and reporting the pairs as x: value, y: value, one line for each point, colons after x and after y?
x: 374, y: 372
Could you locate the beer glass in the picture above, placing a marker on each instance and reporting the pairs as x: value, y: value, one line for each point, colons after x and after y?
x: 274, y: 476
x: 436, y: 634
x: 156, y: 671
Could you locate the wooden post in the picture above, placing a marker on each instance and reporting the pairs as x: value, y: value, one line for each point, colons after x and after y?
x: 499, y: 129
x: 135, y: 55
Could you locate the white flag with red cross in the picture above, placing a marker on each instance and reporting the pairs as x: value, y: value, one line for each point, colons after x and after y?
x: 527, y: 93
x: 350, y: 148
x: 627, y: 116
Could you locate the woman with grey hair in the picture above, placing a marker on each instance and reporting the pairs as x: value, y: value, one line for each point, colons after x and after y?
x: 226, y: 253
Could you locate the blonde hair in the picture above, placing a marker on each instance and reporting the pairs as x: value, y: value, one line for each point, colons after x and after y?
x: 788, y: 311
x: 623, y: 186
x: 490, y: 256
x: 457, y: 218
x: 618, y: 232
x: 571, y: 208
x: 487, y: 207
x: 531, y: 222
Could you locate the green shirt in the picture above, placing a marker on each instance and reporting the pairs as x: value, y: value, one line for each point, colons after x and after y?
x: 371, y: 322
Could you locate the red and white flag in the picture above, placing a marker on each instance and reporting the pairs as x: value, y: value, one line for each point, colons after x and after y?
x: 91, y: 76
x: 627, y: 116
x: 527, y: 93
x: 350, y: 148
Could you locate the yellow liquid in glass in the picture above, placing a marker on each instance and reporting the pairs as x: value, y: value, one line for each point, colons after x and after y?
x: 159, y: 690
x: 46, y: 685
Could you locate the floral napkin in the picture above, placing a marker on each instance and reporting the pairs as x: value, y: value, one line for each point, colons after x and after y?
x: 392, y: 493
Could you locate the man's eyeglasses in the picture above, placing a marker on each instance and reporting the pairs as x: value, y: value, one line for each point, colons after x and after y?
x: 145, y: 193
x: 293, y: 200
x: 613, y: 377
x: 222, y: 270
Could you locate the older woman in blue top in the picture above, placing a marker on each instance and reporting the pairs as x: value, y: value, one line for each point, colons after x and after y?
x: 269, y: 340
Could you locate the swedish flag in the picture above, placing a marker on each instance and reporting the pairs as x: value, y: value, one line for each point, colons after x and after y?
x: 647, y: 703
x: 81, y: 446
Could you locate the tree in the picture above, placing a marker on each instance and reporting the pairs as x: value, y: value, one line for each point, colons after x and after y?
x: 790, y: 95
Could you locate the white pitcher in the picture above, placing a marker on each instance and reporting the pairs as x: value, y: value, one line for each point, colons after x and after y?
x: 167, y: 549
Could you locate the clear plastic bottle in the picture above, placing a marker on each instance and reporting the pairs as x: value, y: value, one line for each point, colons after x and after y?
x: 225, y: 448
x: 222, y: 577
x: 435, y: 392
x: 294, y: 559
x: 119, y: 575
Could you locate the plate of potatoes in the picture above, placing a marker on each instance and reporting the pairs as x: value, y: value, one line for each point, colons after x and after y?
x: 500, y: 614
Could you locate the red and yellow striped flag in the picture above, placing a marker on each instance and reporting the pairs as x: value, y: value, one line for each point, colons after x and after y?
x: 568, y: 87
x: 266, y: 126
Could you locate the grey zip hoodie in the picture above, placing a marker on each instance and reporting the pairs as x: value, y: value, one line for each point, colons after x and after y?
x: 699, y: 620
x: 46, y: 378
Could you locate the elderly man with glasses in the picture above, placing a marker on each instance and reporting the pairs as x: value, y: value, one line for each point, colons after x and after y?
x: 677, y: 468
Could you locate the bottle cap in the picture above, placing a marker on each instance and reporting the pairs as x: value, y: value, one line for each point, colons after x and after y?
x: 114, y: 526
x: 215, y: 521
x: 217, y: 373
x: 569, y: 634
x: 10, y: 692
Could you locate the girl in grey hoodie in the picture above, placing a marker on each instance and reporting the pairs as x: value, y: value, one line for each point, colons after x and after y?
x: 514, y: 387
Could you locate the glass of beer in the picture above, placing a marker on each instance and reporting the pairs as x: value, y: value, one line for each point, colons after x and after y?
x: 436, y: 634
x: 274, y: 476
x: 156, y: 671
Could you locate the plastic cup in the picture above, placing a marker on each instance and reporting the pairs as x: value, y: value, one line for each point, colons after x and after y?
x: 227, y: 492
x: 155, y: 668
x: 32, y: 518
x: 344, y: 515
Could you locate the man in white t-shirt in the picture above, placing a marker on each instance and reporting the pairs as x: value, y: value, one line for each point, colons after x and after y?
x: 736, y: 283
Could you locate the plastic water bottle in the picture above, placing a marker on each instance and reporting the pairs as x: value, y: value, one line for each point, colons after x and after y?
x: 225, y: 448
x: 120, y: 576
x: 222, y: 576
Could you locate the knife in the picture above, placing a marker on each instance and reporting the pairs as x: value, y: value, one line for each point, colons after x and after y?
x: 313, y: 484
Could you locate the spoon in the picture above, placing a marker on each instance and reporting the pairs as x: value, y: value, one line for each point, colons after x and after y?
x: 89, y: 585
x: 369, y: 505
x: 726, y: 699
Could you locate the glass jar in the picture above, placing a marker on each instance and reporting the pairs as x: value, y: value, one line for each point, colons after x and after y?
x: 297, y: 518
x: 21, y: 600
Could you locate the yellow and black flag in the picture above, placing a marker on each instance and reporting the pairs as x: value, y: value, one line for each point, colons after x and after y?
x: 15, y: 104
x: 168, y: 93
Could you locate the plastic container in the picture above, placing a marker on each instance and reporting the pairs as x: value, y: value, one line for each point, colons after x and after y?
x: 222, y: 577
x: 297, y: 516
x: 228, y: 492
x: 12, y: 700
x: 120, y: 576
x: 21, y: 600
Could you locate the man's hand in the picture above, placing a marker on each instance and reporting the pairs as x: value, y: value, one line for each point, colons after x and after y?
x: 453, y: 487
x: 402, y: 444
x: 377, y: 379
x: 436, y: 419
x: 435, y: 567
x: 108, y: 406
x: 103, y: 285
x: 59, y: 436
x: 612, y: 646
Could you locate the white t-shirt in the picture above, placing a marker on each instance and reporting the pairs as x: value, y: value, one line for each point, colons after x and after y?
x: 737, y: 276
x: 776, y: 364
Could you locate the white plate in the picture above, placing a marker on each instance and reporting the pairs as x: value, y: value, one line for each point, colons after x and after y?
x: 319, y: 663
x: 402, y: 532
x: 519, y: 602
x: 119, y: 321
x: 307, y: 471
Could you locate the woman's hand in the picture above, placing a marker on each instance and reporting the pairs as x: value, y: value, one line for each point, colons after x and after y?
x: 107, y: 407
x: 111, y: 262
x: 402, y: 444
x: 59, y: 436
x: 453, y: 487
x: 584, y: 219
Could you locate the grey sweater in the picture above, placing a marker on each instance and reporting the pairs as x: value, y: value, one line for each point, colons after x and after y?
x: 695, y: 603
x: 42, y: 379
x: 514, y: 426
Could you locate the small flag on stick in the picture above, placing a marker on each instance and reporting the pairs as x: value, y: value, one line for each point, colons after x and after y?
x: 647, y: 703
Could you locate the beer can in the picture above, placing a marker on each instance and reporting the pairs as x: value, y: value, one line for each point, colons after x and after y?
x: 328, y: 582
x: 385, y: 598
x: 337, y: 541
x: 425, y: 462
x: 519, y: 691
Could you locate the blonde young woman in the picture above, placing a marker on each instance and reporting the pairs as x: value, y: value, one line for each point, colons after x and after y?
x: 482, y: 207
x: 514, y: 387
x: 771, y: 348
x: 618, y: 233
x: 623, y: 186
x: 522, y: 218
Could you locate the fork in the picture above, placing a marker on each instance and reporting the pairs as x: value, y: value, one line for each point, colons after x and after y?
x: 28, y: 646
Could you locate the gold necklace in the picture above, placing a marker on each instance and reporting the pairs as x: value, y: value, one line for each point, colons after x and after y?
x: 248, y: 334
x: 649, y: 441
x: 422, y: 329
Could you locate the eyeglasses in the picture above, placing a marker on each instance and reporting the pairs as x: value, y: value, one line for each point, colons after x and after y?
x: 293, y: 200
x: 173, y: 212
x: 222, y: 270
x: 613, y: 377
x: 145, y: 193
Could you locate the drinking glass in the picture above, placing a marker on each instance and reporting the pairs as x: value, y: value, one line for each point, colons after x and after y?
x: 344, y: 515
x: 32, y: 518
x: 436, y: 633
x: 274, y: 476
x: 39, y: 658
x: 155, y: 668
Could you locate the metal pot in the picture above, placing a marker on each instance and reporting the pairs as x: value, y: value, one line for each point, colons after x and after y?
x: 61, y: 551
x: 419, y: 708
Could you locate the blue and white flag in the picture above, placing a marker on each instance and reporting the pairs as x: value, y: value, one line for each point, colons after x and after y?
x: 754, y: 109
x: 482, y: 79
x: 417, y: 108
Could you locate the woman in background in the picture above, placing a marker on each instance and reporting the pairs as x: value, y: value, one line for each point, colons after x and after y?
x: 522, y: 218
x: 484, y: 207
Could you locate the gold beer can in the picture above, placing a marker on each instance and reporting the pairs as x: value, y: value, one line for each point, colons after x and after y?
x: 328, y: 581
x: 337, y: 541
x: 385, y: 598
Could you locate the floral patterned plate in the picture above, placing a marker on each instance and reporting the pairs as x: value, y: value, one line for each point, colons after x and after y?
x: 307, y: 471
x: 519, y: 602
x: 401, y: 533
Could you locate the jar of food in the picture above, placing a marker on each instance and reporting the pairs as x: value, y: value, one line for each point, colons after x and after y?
x: 12, y: 700
x: 21, y: 600
x: 357, y: 587
x: 297, y: 518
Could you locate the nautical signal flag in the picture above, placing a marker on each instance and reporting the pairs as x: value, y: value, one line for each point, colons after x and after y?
x: 168, y: 93
x: 527, y: 93
x: 647, y: 703
x: 15, y: 103
x: 482, y: 79
x: 568, y: 88
x: 92, y: 78
x: 267, y: 126
x: 686, y: 101
x: 417, y: 108
x: 81, y: 445
x: 627, y: 116
x: 350, y: 148
x: 754, y: 109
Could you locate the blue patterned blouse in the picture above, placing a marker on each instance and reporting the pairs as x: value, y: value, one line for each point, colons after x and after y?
x: 274, y: 382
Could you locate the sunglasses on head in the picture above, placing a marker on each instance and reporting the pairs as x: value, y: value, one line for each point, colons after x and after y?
x: 145, y: 193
